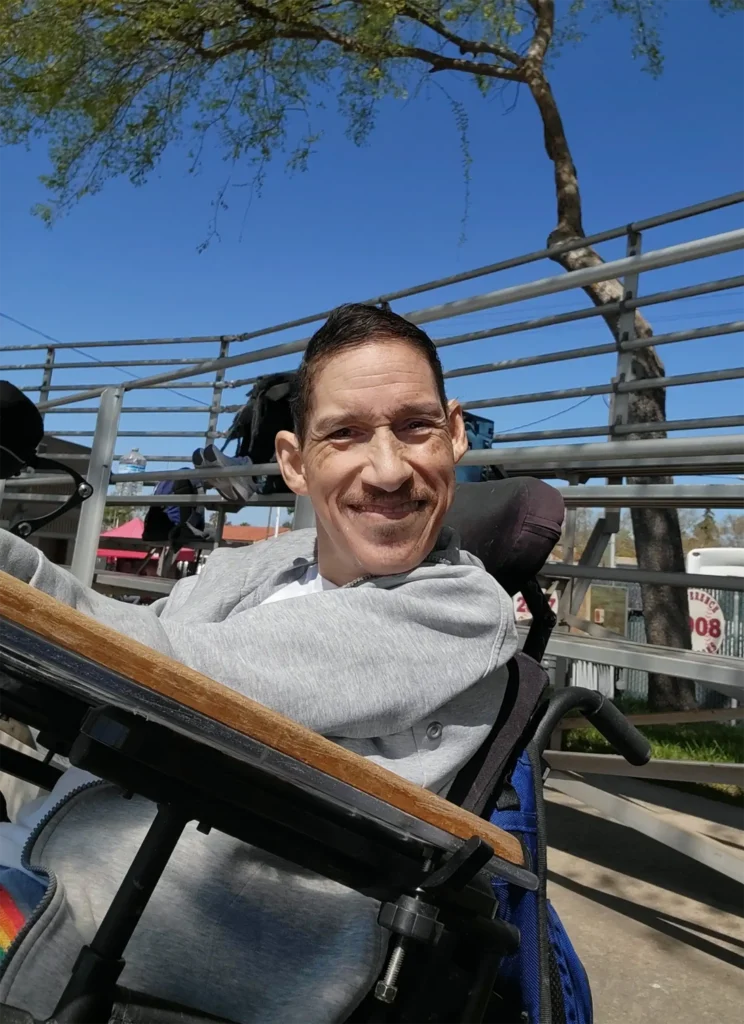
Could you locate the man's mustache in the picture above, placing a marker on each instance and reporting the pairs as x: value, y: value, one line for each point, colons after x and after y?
x: 386, y: 499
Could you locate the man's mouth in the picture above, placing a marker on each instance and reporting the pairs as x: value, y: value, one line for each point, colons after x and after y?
x: 387, y: 510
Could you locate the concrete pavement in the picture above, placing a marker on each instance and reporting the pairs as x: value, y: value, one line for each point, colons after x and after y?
x: 661, y: 936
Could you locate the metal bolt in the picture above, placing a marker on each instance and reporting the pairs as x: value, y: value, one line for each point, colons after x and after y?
x: 386, y: 989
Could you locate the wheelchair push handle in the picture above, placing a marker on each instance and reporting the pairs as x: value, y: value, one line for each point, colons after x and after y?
x: 603, y: 715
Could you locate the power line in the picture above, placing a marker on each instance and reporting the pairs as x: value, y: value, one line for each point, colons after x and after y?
x: 87, y: 355
x: 544, y: 419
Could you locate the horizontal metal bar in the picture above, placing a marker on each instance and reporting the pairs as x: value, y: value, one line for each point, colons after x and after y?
x: 613, y: 496
x: 146, y: 500
x: 510, y: 437
x: 660, y: 769
x: 602, y: 429
x: 703, y: 455
x: 700, y: 848
x: 99, y: 364
x: 539, y: 396
x: 654, y: 496
x: 202, y: 473
x: 700, y: 248
x: 624, y: 387
x: 608, y: 309
x: 605, y: 451
x: 719, y: 672
x: 202, y: 409
x: 664, y: 718
x: 701, y: 423
x: 621, y: 574
x: 204, y: 385
x: 77, y: 457
x: 716, y: 330
x: 523, y: 457
x: 643, y: 384
x: 118, y: 582
x: 687, y: 211
x: 143, y: 433
x: 468, y: 275
x: 38, y: 480
x: 529, y: 325
x: 538, y: 360
x: 670, y: 256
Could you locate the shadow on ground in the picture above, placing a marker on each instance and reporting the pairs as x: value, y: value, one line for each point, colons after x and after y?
x: 619, y: 849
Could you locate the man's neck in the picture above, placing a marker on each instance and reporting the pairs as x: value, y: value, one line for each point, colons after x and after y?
x: 331, y: 566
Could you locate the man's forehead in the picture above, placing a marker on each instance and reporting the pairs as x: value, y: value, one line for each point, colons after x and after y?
x: 376, y: 383
x: 384, y: 363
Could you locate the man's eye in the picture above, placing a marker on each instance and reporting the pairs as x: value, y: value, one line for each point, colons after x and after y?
x: 342, y: 434
x: 418, y: 425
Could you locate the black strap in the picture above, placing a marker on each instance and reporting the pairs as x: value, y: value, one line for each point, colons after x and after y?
x: 479, y: 780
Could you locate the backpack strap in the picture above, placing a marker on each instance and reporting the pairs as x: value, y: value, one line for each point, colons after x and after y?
x: 478, y: 782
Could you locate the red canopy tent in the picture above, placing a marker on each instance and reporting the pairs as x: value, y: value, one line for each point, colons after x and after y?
x: 133, y: 529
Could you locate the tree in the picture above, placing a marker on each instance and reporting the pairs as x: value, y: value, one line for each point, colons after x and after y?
x: 732, y: 531
x: 112, y: 83
x: 707, y: 534
x: 624, y: 545
x: 113, y: 517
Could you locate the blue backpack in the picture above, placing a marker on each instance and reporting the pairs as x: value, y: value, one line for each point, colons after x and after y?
x: 544, y: 982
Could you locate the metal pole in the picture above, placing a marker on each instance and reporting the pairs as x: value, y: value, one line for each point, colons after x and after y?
x: 304, y: 515
x: 46, y: 378
x: 217, y: 389
x: 99, y: 471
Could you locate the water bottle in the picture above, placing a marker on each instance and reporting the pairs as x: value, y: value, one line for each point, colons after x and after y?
x: 132, y: 463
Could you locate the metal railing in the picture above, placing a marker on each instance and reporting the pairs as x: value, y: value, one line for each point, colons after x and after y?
x: 704, y: 452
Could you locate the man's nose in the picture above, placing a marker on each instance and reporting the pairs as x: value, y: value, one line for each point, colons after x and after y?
x: 387, y: 466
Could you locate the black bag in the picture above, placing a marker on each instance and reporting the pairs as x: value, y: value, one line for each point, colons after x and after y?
x: 175, y: 523
x: 256, y: 425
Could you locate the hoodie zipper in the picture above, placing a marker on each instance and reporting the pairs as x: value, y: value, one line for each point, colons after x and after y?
x: 51, y: 889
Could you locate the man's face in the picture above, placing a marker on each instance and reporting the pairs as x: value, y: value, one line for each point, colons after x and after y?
x: 377, y: 460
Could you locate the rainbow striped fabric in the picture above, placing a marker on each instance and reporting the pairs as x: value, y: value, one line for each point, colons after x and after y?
x: 19, y: 895
x: 11, y: 919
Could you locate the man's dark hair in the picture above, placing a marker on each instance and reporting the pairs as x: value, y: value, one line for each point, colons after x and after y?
x: 348, y: 327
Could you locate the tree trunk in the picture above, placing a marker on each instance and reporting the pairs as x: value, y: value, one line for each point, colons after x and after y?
x: 657, y: 534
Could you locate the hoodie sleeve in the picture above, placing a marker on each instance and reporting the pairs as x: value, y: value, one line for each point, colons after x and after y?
x: 360, y: 662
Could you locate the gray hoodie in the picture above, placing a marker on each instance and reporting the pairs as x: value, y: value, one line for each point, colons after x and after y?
x: 231, y: 930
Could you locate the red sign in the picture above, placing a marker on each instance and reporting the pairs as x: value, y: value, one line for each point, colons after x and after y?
x: 522, y: 612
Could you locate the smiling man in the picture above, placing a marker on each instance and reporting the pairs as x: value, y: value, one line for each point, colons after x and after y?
x: 397, y: 650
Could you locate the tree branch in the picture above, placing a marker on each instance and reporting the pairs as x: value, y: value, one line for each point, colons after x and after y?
x: 543, y: 36
x: 320, y: 33
x: 464, y: 45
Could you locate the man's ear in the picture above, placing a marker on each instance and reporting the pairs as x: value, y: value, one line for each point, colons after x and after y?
x: 289, y: 457
x: 457, y: 429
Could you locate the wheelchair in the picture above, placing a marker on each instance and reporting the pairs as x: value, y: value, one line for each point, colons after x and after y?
x: 472, y: 936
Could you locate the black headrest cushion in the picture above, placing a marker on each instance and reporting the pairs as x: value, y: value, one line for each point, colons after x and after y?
x: 21, y: 430
x: 511, y: 525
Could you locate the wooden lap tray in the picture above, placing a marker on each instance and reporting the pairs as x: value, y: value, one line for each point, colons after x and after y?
x: 72, y: 654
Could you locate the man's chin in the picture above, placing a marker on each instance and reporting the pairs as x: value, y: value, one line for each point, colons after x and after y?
x: 390, y: 555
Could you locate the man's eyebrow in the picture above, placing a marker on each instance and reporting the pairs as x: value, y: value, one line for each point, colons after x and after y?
x: 431, y: 410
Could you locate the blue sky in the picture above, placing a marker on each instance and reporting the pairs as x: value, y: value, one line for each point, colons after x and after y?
x: 360, y: 222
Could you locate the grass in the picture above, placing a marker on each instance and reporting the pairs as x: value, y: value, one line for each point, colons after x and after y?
x: 705, y: 741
